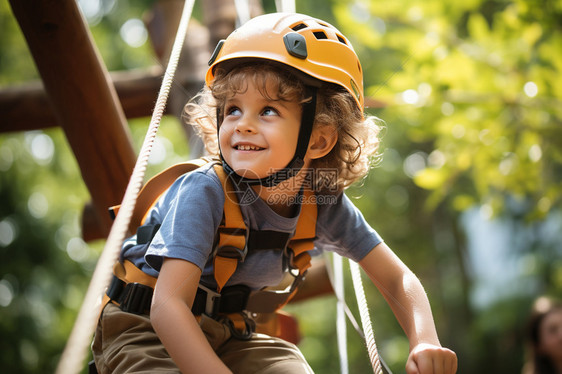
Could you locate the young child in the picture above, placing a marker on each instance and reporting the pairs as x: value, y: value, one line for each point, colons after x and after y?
x: 283, y: 109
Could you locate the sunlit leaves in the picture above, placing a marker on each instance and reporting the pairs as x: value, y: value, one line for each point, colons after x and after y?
x: 492, y: 96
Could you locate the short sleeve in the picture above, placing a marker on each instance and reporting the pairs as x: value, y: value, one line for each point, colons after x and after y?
x: 193, y: 211
x: 341, y: 228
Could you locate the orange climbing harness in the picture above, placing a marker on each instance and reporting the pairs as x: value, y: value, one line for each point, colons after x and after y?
x: 132, y: 289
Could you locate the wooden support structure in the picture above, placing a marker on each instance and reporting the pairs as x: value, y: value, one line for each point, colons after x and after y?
x: 26, y: 107
x: 82, y: 97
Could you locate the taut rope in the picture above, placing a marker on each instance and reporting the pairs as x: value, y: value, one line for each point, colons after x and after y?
x: 365, y: 319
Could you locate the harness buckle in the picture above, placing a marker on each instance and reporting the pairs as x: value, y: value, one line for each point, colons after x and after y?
x: 290, y: 266
x: 229, y: 251
x: 294, y: 270
x: 212, y: 301
x: 136, y: 298
x: 249, y: 329
x: 232, y: 251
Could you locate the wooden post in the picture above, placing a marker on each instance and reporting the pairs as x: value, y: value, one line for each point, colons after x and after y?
x: 82, y: 96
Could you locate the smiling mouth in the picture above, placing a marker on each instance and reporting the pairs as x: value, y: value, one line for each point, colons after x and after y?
x: 247, y: 147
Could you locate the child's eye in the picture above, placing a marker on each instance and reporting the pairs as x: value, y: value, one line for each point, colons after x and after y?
x: 269, y: 111
x: 233, y: 111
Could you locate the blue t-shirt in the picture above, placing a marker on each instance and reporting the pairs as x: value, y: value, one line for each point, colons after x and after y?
x: 191, y: 211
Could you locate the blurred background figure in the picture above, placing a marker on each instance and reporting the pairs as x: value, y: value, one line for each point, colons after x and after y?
x: 544, y: 337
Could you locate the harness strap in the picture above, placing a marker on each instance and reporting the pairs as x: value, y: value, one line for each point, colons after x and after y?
x: 266, y: 239
x: 155, y: 187
x: 124, y: 274
x: 305, y: 233
x: 224, y: 268
x: 131, y: 290
x: 232, y: 247
x: 234, y: 239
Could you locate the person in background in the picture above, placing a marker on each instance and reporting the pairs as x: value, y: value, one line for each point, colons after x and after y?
x: 544, y: 337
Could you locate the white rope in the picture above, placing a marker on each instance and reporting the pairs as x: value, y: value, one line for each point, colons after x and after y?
x: 242, y: 11
x: 75, y: 352
x: 341, y: 326
x: 365, y: 319
x: 286, y: 6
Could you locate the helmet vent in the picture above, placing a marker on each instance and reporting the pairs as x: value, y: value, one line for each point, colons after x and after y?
x: 299, y: 26
x: 341, y: 39
x: 320, y: 35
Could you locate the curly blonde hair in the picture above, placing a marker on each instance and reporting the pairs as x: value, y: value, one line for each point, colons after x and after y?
x: 358, y: 135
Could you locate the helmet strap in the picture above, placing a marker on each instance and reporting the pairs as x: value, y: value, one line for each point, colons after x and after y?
x: 297, y: 162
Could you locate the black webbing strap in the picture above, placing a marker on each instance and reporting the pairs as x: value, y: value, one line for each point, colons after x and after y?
x: 136, y: 298
x: 267, y: 239
x: 131, y: 297
x: 232, y: 299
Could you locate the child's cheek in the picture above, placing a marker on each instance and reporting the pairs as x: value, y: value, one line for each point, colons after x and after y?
x: 224, y: 134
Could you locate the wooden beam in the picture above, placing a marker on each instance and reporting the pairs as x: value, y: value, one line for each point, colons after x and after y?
x: 81, y: 95
x: 26, y: 107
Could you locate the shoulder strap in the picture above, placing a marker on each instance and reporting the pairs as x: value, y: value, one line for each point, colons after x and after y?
x: 233, y: 234
x: 155, y: 187
x: 303, y: 240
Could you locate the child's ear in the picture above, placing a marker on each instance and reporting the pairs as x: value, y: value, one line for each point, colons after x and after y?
x: 322, y: 140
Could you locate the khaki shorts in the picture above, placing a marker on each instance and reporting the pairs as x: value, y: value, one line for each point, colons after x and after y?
x: 127, y: 343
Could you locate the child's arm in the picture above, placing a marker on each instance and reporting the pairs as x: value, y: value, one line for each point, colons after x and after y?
x: 406, y: 296
x: 174, y: 322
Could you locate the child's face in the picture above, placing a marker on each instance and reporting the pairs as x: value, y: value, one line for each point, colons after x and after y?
x: 551, y: 335
x: 258, y: 135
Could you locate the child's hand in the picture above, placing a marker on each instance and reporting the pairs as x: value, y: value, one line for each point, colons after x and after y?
x: 431, y: 359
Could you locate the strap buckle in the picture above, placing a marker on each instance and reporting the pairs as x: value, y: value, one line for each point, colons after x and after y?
x: 212, y: 301
x: 229, y: 251
x: 291, y: 267
x: 249, y: 329
x: 232, y: 251
x: 136, y: 298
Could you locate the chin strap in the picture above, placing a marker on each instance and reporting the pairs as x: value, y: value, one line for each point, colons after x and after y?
x: 297, y: 162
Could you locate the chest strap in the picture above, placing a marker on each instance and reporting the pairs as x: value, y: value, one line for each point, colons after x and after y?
x: 233, y: 242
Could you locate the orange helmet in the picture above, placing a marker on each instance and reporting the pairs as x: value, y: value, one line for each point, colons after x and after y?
x: 299, y: 41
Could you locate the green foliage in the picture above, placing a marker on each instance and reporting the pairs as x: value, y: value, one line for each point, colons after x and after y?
x: 472, y: 119
x: 45, y: 264
x: 476, y: 92
x: 11, y: 36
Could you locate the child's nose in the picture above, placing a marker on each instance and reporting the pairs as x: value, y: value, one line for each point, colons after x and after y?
x: 245, y: 125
